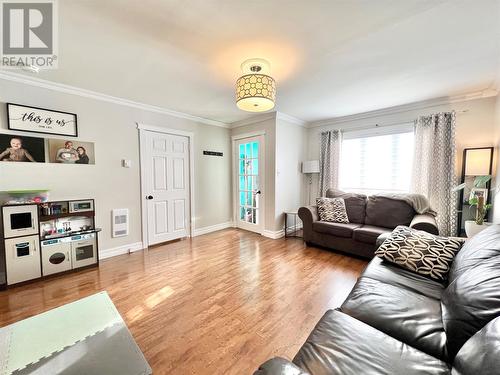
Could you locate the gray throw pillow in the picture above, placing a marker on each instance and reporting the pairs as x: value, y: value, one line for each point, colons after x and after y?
x: 332, y: 210
x: 420, y: 252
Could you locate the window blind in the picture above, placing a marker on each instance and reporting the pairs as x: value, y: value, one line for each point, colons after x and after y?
x: 377, y: 163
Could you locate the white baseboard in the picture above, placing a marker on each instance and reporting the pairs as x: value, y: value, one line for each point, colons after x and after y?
x: 120, y: 250
x: 280, y: 233
x: 212, y: 228
x: 274, y: 234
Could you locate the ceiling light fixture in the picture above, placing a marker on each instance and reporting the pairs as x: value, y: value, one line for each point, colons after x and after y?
x: 255, y: 89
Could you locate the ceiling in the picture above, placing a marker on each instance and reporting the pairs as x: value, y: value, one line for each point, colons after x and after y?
x: 329, y: 58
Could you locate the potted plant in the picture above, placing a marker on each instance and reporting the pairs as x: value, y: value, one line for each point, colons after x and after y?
x: 473, y: 227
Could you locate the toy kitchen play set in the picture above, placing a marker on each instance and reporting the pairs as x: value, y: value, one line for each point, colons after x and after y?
x: 42, y: 239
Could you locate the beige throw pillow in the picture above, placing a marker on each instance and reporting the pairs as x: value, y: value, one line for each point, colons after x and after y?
x: 332, y: 210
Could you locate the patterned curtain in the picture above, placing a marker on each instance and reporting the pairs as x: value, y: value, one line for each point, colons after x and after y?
x: 434, y: 167
x: 329, y: 157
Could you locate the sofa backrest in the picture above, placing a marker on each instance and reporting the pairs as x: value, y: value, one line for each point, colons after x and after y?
x: 472, y: 299
x: 355, y: 204
x: 482, y: 246
x: 388, y: 213
x: 479, y: 355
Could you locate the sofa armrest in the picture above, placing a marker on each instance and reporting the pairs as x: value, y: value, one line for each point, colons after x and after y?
x: 426, y: 223
x: 279, y: 366
x: 308, y: 215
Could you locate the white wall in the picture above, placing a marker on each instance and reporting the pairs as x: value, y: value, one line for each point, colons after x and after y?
x: 113, y: 129
x: 496, y: 182
x: 290, y: 153
x: 475, y: 127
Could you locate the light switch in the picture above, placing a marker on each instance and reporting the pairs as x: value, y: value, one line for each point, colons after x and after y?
x: 126, y: 163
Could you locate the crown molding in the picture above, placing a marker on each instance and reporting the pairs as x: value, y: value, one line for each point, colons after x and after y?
x: 290, y: 119
x: 405, y: 108
x: 67, y: 89
x: 268, y: 116
x: 254, y: 119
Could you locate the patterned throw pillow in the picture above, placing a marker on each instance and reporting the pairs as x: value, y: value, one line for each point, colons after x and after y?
x: 420, y: 252
x: 332, y: 209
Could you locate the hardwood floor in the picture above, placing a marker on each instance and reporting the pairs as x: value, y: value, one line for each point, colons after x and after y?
x: 217, y: 304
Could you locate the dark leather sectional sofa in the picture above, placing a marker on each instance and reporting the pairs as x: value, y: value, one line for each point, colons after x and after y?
x: 397, y: 322
x: 369, y: 217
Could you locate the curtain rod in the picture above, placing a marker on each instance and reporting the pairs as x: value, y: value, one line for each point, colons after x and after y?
x: 402, y: 123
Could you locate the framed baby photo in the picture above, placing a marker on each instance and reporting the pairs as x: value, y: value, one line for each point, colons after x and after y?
x: 14, y: 148
x: 71, y: 151
x: 41, y: 120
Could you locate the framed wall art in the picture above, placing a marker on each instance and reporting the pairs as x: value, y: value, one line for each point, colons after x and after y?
x: 479, y: 192
x: 14, y: 148
x: 71, y: 151
x: 41, y: 120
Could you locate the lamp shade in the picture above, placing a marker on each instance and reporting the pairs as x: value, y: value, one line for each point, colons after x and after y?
x: 478, y: 162
x: 255, y: 92
x: 311, y: 166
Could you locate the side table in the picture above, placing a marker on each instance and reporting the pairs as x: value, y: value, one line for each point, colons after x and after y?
x: 292, y: 230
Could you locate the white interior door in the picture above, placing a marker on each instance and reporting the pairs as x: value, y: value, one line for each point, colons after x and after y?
x: 249, y: 183
x: 166, y: 186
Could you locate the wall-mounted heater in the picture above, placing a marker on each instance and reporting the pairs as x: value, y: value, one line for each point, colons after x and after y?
x: 120, y: 222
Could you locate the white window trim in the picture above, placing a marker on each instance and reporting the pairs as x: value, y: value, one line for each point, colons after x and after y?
x: 378, y: 131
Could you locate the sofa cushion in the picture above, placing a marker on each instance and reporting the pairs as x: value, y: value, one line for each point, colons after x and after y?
x: 340, y: 344
x: 470, y: 302
x: 382, y: 270
x: 484, y: 245
x: 355, y: 204
x: 369, y: 233
x: 420, y: 252
x: 335, y: 229
x: 387, y: 212
x: 406, y: 315
x: 332, y: 210
x: 279, y: 366
x: 479, y: 355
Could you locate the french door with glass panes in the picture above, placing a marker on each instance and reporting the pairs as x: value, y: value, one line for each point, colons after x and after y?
x: 249, y: 189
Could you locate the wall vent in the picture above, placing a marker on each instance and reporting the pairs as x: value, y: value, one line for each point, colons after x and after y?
x: 120, y: 222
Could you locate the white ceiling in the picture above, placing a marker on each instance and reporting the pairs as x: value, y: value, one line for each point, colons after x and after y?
x: 330, y: 58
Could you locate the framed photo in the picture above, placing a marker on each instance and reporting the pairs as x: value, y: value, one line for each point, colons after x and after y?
x: 479, y: 192
x: 71, y: 151
x: 41, y: 120
x: 14, y: 148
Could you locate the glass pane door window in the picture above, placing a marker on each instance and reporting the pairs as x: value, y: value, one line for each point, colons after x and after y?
x: 248, y: 182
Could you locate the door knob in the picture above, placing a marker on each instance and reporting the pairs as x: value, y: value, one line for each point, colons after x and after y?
x: 149, y: 197
x: 257, y: 192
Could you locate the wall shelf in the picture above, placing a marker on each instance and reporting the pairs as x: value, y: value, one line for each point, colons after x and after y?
x: 66, y: 214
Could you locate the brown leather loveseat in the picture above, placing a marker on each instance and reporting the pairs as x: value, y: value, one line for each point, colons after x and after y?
x: 369, y: 217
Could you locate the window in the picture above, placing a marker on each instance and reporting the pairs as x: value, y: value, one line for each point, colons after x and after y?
x: 376, y: 163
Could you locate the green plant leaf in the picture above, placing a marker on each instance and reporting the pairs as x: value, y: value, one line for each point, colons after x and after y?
x: 481, y: 181
x: 473, y: 201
